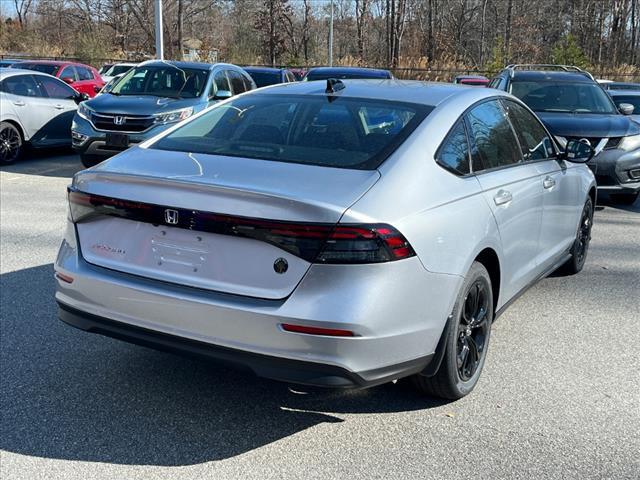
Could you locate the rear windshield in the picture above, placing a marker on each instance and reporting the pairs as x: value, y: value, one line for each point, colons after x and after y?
x: 311, y: 129
x: 632, y: 99
x: 163, y: 81
x: 563, y: 97
x: 264, y: 79
x: 39, y: 67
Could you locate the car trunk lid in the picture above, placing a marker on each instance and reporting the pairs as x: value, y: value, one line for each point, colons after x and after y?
x: 207, y: 221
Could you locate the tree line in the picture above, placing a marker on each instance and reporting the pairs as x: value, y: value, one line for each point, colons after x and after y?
x: 438, y: 34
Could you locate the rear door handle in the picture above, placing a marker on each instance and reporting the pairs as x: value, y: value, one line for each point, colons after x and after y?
x: 57, y: 106
x: 548, y: 183
x: 502, y: 197
x: 19, y: 103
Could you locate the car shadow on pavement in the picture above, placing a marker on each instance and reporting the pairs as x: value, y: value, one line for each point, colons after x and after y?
x: 68, y: 394
x: 49, y: 162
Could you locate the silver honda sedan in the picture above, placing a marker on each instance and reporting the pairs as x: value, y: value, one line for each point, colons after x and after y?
x: 338, y: 233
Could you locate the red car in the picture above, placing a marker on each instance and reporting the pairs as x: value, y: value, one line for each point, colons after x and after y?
x: 84, y: 78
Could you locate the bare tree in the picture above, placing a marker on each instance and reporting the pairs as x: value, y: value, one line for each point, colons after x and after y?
x: 23, y: 8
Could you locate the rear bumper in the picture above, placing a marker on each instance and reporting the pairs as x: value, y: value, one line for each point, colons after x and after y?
x: 397, y: 310
x: 276, y: 368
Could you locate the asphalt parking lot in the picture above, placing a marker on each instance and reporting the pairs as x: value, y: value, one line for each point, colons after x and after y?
x: 559, y: 396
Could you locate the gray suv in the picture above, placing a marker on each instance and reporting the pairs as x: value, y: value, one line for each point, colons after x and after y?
x: 574, y: 107
x: 148, y: 99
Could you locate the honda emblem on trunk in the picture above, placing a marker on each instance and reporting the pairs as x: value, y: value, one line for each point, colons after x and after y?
x: 171, y: 216
x: 118, y: 120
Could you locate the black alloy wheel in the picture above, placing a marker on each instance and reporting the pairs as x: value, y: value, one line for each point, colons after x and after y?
x: 10, y: 143
x: 580, y: 246
x: 473, y: 330
x: 465, y: 340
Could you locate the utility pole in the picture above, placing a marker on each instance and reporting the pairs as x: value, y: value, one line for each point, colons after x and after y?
x: 180, y: 16
x: 159, y: 39
x: 331, y: 37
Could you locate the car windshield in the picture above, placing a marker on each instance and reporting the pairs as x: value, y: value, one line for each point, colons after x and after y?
x: 110, y: 84
x: 163, y: 81
x: 40, y: 67
x: 345, y: 74
x: 632, y: 99
x: 264, y: 79
x: 563, y: 97
x: 117, y: 70
x: 338, y: 132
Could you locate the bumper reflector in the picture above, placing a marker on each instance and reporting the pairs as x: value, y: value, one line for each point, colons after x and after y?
x: 331, y: 332
x: 64, y: 278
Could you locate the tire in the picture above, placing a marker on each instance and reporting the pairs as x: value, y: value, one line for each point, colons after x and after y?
x: 11, y: 144
x: 624, y: 198
x: 469, y: 331
x: 580, y: 246
x: 89, y: 161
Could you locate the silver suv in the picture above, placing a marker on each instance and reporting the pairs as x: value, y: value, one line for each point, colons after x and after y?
x: 340, y: 234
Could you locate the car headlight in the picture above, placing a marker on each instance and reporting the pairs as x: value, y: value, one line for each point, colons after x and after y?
x: 84, y: 111
x: 174, y: 115
x: 629, y: 143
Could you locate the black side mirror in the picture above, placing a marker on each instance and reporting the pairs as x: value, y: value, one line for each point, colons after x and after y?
x: 578, y: 152
x: 80, y: 97
x: 626, y: 108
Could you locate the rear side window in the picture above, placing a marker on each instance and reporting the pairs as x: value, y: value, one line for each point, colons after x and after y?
x: 84, y: 73
x: 221, y: 82
x: 454, y: 152
x: 494, y: 142
x: 345, y: 132
x: 494, y: 83
x: 247, y: 83
x: 534, y: 141
x: 237, y: 82
x: 22, y: 85
x: 55, y: 88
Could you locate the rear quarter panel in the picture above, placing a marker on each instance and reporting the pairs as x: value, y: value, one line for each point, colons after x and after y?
x: 8, y: 114
x: 444, y: 217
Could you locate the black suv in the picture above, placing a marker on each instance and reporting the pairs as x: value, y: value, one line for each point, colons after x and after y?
x: 573, y: 106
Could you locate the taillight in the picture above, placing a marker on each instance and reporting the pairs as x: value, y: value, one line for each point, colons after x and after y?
x: 314, y: 242
x: 364, y: 244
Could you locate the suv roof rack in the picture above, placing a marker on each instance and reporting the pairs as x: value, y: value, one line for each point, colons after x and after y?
x: 546, y: 66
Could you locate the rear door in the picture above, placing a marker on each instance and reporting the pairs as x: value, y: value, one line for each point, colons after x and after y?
x: 511, y: 189
x: 61, y: 106
x: 558, y: 183
x: 30, y: 104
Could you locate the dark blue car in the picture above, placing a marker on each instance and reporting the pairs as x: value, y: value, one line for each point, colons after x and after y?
x: 149, y: 99
x: 574, y: 107
x: 265, y: 76
x: 323, y: 73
